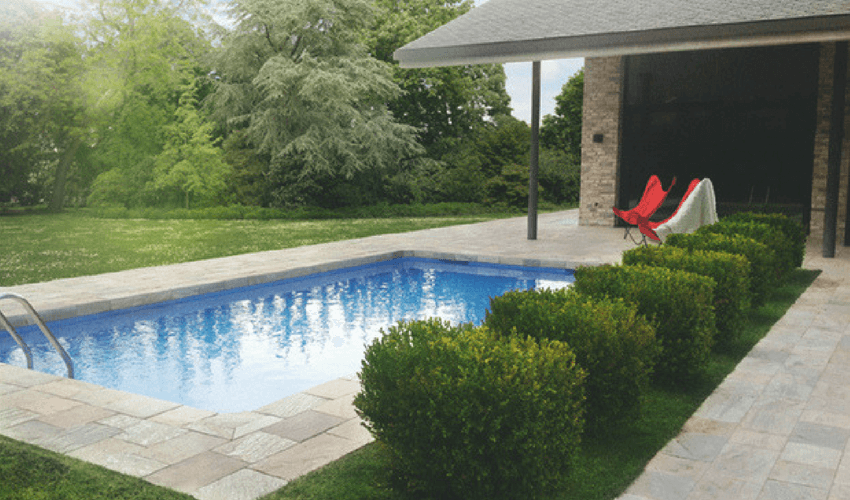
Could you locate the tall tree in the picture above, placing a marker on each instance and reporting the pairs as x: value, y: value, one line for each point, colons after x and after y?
x: 144, y: 53
x: 445, y: 103
x: 562, y: 131
x: 42, y: 103
x: 190, y: 162
x: 296, y: 79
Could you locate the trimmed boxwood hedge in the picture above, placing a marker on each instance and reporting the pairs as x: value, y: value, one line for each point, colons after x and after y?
x: 610, y: 340
x: 467, y: 414
x: 678, y: 303
x: 730, y: 272
x: 793, y: 230
x: 764, y: 264
x: 769, y: 236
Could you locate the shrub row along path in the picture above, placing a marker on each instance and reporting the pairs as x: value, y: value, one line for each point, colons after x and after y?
x: 776, y: 428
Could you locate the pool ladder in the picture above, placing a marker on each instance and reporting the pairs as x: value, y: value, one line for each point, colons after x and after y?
x: 5, y: 323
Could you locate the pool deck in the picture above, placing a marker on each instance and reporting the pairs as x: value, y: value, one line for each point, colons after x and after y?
x: 777, y: 427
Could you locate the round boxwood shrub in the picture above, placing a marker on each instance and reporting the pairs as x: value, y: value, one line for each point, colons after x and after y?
x: 677, y: 303
x: 730, y: 272
x: 764, y: 265
x: 465, y: 414
x: 610, y: 340
x: 793, y: 230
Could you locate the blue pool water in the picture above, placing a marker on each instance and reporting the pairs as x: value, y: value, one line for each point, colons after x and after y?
x: 244, y: 348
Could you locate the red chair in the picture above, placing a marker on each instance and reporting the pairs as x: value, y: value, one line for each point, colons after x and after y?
x: 653, y: 196
x: 649, y: 228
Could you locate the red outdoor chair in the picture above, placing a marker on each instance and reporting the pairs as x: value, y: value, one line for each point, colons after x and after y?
x: 653, y: 196
x: 648, y: 230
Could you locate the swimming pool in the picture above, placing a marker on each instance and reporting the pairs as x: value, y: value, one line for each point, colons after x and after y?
x: 244, y: 348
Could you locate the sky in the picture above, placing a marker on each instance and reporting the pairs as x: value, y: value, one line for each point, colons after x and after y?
x: 553, y: 75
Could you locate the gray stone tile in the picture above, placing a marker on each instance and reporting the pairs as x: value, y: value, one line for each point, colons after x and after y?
x: 695, y: 446
x: 755, y: 439
x: 292, y: 405
x: 304, y: 425
x: 306, y: 457
x: 821, y: 435
x: 809, y: 454
x: 713, y: 486
x: 70, y: 439
x: 76, y: 416
x: 245, y: 484
x: 353, y: 430
x: 30, y: 431
x: 335, y: 389
x: 147, y: 433
x: 778, y: 490
x: 119, y: 456
x: 745, y: 462
x: 10, y: 417
x: 233, y: 425
x: 255, y: 446
x: 342, y: 407
x: 8, y: 389
x: 196, y: 472
x: 777, y: 416
x: 661, y: 486
x: 182, y: 415
x: 182, y: 447
x: 140, y: 406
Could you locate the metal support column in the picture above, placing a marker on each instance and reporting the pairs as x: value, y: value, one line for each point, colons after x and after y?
x: 535, y: 151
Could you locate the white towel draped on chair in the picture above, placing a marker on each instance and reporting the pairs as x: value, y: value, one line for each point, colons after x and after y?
x: 698, y: 210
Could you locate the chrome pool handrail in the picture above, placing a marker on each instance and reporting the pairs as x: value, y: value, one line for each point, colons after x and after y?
x: 41, y: 324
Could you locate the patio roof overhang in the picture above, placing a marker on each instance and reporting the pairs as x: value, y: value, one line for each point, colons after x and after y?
x: 502, y: 31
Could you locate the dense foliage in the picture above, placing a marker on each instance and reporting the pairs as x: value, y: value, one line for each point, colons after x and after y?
x: 678, y: 303
x: 763, y: 260
x: 141, y: 103
x: 615, y: 345
x: 730, y: 272
x: 467, y: 415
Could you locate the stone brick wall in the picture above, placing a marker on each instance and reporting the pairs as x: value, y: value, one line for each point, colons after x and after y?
x: 821, y: 152
x: 600, y: 161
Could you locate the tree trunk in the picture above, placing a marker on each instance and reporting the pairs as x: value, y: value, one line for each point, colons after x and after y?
x: 57, y: 201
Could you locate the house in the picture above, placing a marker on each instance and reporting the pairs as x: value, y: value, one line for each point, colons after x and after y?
x: 740, y: 91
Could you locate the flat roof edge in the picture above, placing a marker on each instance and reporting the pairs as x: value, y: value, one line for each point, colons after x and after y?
x: 811, y: 30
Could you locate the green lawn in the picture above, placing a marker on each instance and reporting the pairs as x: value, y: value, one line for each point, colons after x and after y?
x: 43, y: 247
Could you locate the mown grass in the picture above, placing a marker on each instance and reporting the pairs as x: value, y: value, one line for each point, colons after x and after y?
x: 36, y: 247
x: 607, y: 464
x: 31, y: 473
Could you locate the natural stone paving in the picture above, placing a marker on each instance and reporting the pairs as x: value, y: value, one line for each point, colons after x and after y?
x: 778, y: 427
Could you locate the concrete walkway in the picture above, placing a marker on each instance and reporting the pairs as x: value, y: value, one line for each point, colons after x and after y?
x: 776, y: 428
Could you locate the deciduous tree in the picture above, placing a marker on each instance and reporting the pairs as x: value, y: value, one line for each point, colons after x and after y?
x: 296, y: 79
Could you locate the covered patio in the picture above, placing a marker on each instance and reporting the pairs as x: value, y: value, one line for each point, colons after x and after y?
x: 741, y: 92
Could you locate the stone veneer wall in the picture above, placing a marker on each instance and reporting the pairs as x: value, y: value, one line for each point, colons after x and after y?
x: 821, y: 153
x: 600, y: 162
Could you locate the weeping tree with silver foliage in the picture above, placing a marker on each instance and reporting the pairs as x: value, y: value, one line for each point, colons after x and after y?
x: 294, y: 78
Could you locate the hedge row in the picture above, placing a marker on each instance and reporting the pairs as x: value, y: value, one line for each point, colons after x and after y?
x: 610, y: 340
x: 677, y: 303
x: 730, y: 272
x: 498, y: 411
